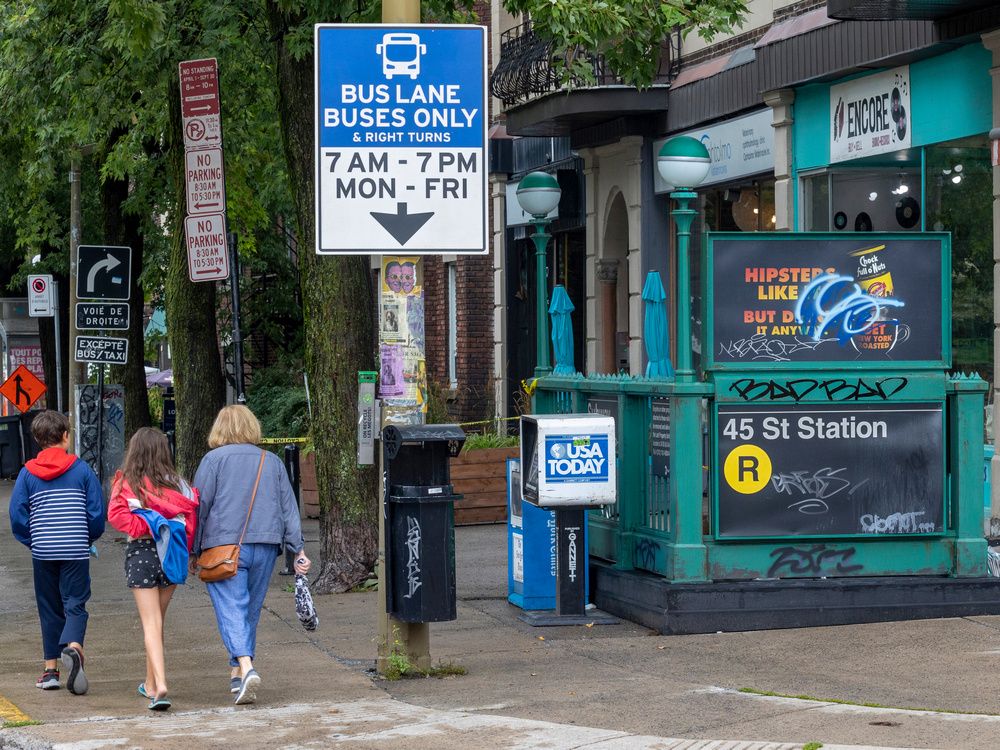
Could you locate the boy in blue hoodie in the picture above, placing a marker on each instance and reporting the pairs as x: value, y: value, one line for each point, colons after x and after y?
x: 57, y: 510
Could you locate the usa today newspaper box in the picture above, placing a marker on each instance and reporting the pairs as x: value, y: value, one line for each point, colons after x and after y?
x: 568, y: 466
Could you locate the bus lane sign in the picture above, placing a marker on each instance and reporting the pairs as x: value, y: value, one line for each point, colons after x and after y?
x: 401, y: 163
x: 208, y: 253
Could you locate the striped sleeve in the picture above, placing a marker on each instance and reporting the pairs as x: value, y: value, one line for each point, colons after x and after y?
x: 58, y: 523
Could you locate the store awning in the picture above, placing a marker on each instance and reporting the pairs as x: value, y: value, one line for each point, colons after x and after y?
x: 914, y: 10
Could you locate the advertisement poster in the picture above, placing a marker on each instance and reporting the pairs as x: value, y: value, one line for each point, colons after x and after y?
x: 830, y: 470
x: 403, y: 381
x: 783, y: 298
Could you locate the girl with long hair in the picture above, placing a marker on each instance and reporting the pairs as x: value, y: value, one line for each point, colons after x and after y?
x: 148, y: 495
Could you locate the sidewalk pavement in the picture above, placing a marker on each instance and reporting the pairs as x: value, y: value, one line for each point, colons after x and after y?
x: 617, y: 686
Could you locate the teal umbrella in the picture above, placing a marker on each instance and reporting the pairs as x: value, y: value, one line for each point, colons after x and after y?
x: 654, y: 328
x: 562, y: 332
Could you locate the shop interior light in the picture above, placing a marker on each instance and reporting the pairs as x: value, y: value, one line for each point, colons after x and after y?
x: 958, y: 167
x: 872, y: 196
x: 774, y: 219
x: 902, y: 189
x: 956, y: 179
x: 945, y: 171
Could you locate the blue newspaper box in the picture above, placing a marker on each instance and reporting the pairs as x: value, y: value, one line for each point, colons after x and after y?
x: 531, y: 548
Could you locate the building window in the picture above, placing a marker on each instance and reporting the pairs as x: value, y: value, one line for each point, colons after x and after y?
x: 452, y: 325
x: 943, y: 187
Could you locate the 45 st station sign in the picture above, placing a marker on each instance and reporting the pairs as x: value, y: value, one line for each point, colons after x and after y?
x: 401, y: 139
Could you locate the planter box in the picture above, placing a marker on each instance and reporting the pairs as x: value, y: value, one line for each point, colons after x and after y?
x: 308, y: 491
x: 482, y: 477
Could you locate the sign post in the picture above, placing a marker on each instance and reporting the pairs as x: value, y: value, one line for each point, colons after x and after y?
x: 209, y: 242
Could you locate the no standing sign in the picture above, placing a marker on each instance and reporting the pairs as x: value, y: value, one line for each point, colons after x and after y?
x: 401, y: 139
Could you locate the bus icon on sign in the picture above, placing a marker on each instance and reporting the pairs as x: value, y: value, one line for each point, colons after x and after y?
x: 401, y: 55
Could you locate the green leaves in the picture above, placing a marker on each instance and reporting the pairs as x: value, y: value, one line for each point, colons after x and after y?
x: 629, y: 34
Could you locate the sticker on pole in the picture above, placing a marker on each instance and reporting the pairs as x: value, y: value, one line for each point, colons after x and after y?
x: 208, y: 253
x: 401, y: 139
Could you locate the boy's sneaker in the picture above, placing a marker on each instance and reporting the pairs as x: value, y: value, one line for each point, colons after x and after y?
x: 49, y: 680
x: 72, y: 661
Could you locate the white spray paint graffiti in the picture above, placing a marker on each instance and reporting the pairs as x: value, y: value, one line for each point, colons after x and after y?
x: 896, y: 523
x: 413, y: 548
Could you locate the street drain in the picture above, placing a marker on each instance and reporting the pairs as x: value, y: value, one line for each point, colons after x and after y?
x: 885, y: 723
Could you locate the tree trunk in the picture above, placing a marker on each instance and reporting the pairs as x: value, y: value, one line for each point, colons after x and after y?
x: 191, y: 312
x: 339, y: 331
x: 123, y: 230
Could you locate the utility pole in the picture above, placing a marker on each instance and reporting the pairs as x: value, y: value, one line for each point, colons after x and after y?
x: 411, y: 638
x: 74, y: 368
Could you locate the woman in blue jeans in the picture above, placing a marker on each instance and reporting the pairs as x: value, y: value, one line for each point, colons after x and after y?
x: 226, y: 479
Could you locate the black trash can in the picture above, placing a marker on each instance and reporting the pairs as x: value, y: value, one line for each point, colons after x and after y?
x: 30, y: 448
x: 420, y: 526
x: 10, y: 446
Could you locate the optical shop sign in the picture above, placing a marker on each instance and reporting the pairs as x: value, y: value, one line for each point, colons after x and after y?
x: 871, y: 115
x: 738, y: 148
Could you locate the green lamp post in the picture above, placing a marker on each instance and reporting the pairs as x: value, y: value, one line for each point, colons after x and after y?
x: 538, y: 194
x: 683, y: 163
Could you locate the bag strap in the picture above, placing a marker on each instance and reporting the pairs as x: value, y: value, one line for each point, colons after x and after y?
x: 253, y: 496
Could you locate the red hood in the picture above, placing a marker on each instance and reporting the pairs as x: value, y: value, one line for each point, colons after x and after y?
x: 165, y: 501
x: 50, y: 463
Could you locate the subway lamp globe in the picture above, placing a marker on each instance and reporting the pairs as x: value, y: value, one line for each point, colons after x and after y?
x: 683, y: 162
x: 538, y: 193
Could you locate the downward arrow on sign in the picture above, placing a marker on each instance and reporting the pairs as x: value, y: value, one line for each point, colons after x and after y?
x: 402, y: 225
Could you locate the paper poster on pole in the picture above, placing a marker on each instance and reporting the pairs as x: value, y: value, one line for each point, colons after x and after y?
x: 391, y: 371
x: 403, y: 372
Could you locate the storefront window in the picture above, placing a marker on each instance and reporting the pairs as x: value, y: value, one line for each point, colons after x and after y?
x: 739, y: 207
x: 879, y: 195
x: 960, y: 201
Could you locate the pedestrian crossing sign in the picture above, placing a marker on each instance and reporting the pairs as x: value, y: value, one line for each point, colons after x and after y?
x: 22, y: 388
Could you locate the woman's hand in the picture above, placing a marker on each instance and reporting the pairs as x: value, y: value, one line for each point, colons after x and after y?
x: 302, y: 563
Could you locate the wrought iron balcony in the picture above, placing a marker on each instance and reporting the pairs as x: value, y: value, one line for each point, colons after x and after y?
x: 527, y: 68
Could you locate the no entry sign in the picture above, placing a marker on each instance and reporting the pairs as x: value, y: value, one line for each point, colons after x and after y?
x: 208, y: 254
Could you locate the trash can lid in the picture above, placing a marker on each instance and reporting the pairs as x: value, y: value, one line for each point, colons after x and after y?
x: 395, y: 436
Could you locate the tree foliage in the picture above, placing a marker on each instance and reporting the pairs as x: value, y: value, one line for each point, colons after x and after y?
x: 628, y: 33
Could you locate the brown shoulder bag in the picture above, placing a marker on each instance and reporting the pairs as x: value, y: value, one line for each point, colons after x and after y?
x: 220, y: 563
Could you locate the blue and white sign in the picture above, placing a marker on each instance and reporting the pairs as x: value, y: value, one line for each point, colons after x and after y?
x: 568, y: 459
x: 401, y: 119
x: 576, y: 458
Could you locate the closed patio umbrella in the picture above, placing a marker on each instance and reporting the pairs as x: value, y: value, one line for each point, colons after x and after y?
x: 562, y: 332
x: 654, y: 328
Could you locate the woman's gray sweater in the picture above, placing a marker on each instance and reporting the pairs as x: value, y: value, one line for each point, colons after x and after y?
x: 225, y: 480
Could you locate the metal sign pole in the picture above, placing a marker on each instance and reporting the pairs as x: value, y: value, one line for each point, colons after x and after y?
x: 234, y: 285
x: 100, y: 425
x: 59, y: 376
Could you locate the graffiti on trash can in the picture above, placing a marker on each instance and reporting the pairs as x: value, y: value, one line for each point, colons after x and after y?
x: 413, y: 549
